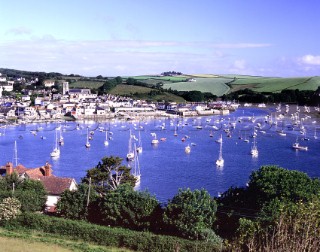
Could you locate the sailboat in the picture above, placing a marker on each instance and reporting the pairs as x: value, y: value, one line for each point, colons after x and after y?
x: 297, y: 146
x: 245, y: 138
x: 61, y: 139
x: 136, y: 168
x: 175, y: 131
x: 219, y: 140
x: 87, y: 143
x: 106, y: 142
x: 154, y: 140
x: 220, y: 161
x: 187, y: 149
x: 254, y: 150
x: 139, y: 148
x: 130, y: 155
x: 315, y: 133
x: 56, y: 150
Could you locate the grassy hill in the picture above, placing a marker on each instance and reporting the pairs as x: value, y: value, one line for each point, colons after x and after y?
x: 139, y: 92
x: 223, y: 84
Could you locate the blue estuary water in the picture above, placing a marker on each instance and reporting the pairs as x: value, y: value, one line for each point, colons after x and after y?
x: 166, y: 167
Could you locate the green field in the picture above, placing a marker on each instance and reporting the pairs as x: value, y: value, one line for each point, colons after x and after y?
x: 263, y: 84
x: 139, y: 92
x: 215, y: 85
x: 86, y: 84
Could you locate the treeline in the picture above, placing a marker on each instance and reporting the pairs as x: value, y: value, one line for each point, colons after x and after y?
x: 171, y: 73
x: 28, y: 74
x: 301, y: 97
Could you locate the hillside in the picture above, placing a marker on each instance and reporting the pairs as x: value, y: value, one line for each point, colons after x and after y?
x: 216, y: 84
x: 223, y: 84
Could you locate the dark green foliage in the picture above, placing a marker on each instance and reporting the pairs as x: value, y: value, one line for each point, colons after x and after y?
x: 271, y: 182
x: 125, y: 207
x: 190, y: 213
x: 269, y: 189
x: 30, y: 193
x: 73, y: 204
x: 106, y: 236
x: 303, y: 97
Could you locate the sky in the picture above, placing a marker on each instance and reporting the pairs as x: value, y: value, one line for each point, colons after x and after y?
x: 273, y: 38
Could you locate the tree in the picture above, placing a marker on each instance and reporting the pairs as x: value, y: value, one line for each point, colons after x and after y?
x: 128, y: 208
x: 30, y: 193
x: 109, y: 174
x: 131, y: 81
x: 271, y: 182
x: 191, y: 214
x: 74, y: 204
x: 118, y: 80
x: 270, y: 189
x: 296, y: 229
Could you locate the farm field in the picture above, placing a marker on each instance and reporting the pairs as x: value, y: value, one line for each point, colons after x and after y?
x: 139, y: 92
x: 263, y: 84
x: 214, y: 85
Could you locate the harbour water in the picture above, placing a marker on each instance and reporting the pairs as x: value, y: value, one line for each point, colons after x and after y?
x: 166, y: 167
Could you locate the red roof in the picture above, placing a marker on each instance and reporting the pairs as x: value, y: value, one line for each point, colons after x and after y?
x: 56, y: 185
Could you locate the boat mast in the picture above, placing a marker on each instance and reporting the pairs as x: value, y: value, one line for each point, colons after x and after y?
x: 15, y: 154
x: 220, y: 152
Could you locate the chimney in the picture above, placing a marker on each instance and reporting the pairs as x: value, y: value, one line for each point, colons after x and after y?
x: 47, y: 170
x: 9, y: 168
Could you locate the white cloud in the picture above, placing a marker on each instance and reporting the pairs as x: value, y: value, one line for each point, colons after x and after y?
x: 310, y: 60
x: 240, y: 45
x: 19, y: 31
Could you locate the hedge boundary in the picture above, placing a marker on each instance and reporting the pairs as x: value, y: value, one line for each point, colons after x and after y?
x: 108, y: 236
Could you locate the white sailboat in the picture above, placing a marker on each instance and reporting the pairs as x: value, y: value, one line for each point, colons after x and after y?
x: 130, y: 155
x: 220, y: 160
x: 56, y: 150
x: 175, y: 131
x: 106, y: 142
x: 139, y: 148
x: 154, y: 140
x: 315, y: 133
x: 87, y: 143
x: 297, y: 146
x: 136, y: 169
x: 187, y: 149
x: 254, y: 149
x: 219, y: 140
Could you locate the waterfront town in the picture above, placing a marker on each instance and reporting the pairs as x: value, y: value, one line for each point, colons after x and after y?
x: 44, y: 105
x: 78, y: 104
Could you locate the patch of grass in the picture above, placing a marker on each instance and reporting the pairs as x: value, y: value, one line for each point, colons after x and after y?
x: 28, y: 241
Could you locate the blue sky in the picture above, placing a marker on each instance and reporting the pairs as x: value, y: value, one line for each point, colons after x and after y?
x: 122, y: 37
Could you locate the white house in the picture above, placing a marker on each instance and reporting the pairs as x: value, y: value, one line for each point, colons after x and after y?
x: 48, y: 83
